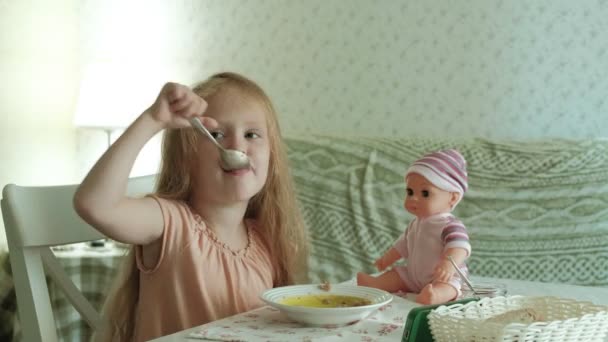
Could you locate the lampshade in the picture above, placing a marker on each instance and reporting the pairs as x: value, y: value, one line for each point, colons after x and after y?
x: 112, y: 94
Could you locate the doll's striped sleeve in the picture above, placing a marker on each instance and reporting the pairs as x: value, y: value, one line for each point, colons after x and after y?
x: 454, y: 235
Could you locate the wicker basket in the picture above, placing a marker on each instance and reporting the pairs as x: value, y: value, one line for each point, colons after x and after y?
x: 564, y: 320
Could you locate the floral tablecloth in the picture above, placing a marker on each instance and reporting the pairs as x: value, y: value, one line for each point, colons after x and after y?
x: 386, y: 324
x: 268, y: 324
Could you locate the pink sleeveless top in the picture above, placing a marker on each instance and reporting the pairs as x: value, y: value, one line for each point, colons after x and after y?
x: 197, y: 278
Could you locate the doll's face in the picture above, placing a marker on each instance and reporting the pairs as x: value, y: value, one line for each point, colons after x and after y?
x: 423, y: 199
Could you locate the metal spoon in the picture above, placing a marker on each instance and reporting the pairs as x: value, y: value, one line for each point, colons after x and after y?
x: 230, y: 159
x: 466, y: 280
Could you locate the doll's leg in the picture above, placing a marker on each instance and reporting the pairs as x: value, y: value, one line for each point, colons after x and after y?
x: 388, y: 281
x: 436, y: 293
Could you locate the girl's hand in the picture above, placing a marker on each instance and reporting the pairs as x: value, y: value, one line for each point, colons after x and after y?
x: 175, y: 105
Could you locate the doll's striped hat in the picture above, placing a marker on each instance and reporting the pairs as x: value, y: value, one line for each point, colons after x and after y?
x: 446, y: 169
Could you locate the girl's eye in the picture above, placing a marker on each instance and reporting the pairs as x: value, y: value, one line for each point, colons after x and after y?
x: 252, y: 135
x: 410, y: 192
x: 217, y: 135
x: 425, y: 193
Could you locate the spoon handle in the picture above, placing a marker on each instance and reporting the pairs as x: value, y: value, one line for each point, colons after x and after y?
x: 195, y: 122
x: 466, y: 280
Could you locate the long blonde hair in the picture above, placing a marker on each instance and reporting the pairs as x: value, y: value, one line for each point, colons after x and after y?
x: 274, y: 208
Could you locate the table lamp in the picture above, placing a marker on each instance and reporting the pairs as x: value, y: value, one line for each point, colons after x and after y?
x: 112, y: 95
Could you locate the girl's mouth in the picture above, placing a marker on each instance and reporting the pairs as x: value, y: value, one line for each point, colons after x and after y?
x: 238, y: 172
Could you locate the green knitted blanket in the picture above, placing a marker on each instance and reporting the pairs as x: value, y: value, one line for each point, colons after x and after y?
x: 535, y: 210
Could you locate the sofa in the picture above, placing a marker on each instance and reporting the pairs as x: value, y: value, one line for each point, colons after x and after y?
x: 535, y: 210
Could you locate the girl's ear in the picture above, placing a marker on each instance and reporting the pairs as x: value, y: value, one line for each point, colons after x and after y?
x: 455, y: 196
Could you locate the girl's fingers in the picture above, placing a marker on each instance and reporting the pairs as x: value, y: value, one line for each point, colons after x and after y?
x: 185, y: 101
x: 176, y: 104
x: 202, y: 105
x: 189, y: 106
x: 189, y: 111
x: 179, y: 105
x: 173, y: 91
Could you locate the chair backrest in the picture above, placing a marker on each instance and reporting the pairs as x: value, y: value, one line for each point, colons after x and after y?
x: 36, y: 218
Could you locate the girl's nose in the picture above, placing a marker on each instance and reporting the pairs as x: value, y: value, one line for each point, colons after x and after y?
x: 234, y: 142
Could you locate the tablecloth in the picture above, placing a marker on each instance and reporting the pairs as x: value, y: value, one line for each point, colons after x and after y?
x: 386, y: 324
x: 268, y: 324
x: 91, y: 269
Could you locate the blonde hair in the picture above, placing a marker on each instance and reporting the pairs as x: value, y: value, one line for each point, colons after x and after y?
x: 275, y: 208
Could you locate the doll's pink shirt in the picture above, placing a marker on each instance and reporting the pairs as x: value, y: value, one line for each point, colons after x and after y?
x: 423, y: 244
x: 197, y: 279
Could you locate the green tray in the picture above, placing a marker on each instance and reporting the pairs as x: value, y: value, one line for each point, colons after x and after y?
x: 417, y: 325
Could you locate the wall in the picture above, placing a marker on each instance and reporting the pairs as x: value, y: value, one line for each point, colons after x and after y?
x: 492, y: 68
x: 38, y: 51
x: 502, y: 69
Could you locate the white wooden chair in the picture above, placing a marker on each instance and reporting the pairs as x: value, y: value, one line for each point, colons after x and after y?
x: 36, y: 218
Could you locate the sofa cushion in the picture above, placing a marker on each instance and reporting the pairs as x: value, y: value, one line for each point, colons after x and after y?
x: 535, y: 210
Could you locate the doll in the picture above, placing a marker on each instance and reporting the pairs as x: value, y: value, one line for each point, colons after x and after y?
x: 434, y: 186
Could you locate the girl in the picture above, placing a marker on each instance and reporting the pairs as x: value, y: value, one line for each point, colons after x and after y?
x: 208, y: 241
x: 435, y: 184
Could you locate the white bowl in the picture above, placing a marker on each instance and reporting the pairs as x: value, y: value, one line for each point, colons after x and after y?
x: 326, y: 316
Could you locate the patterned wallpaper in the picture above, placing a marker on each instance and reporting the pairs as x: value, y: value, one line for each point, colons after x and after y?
x: 498, y: 69
x: 492, y: 68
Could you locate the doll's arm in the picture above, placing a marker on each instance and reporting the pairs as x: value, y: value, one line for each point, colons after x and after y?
x: 387, y: 259
x: 445, y: 269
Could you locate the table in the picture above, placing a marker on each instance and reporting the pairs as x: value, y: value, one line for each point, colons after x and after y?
x: 268, y: 324
x: 92, y: 269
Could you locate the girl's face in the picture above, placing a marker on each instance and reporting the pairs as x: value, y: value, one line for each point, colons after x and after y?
x: 423, y: 199
x: 241, y: 125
